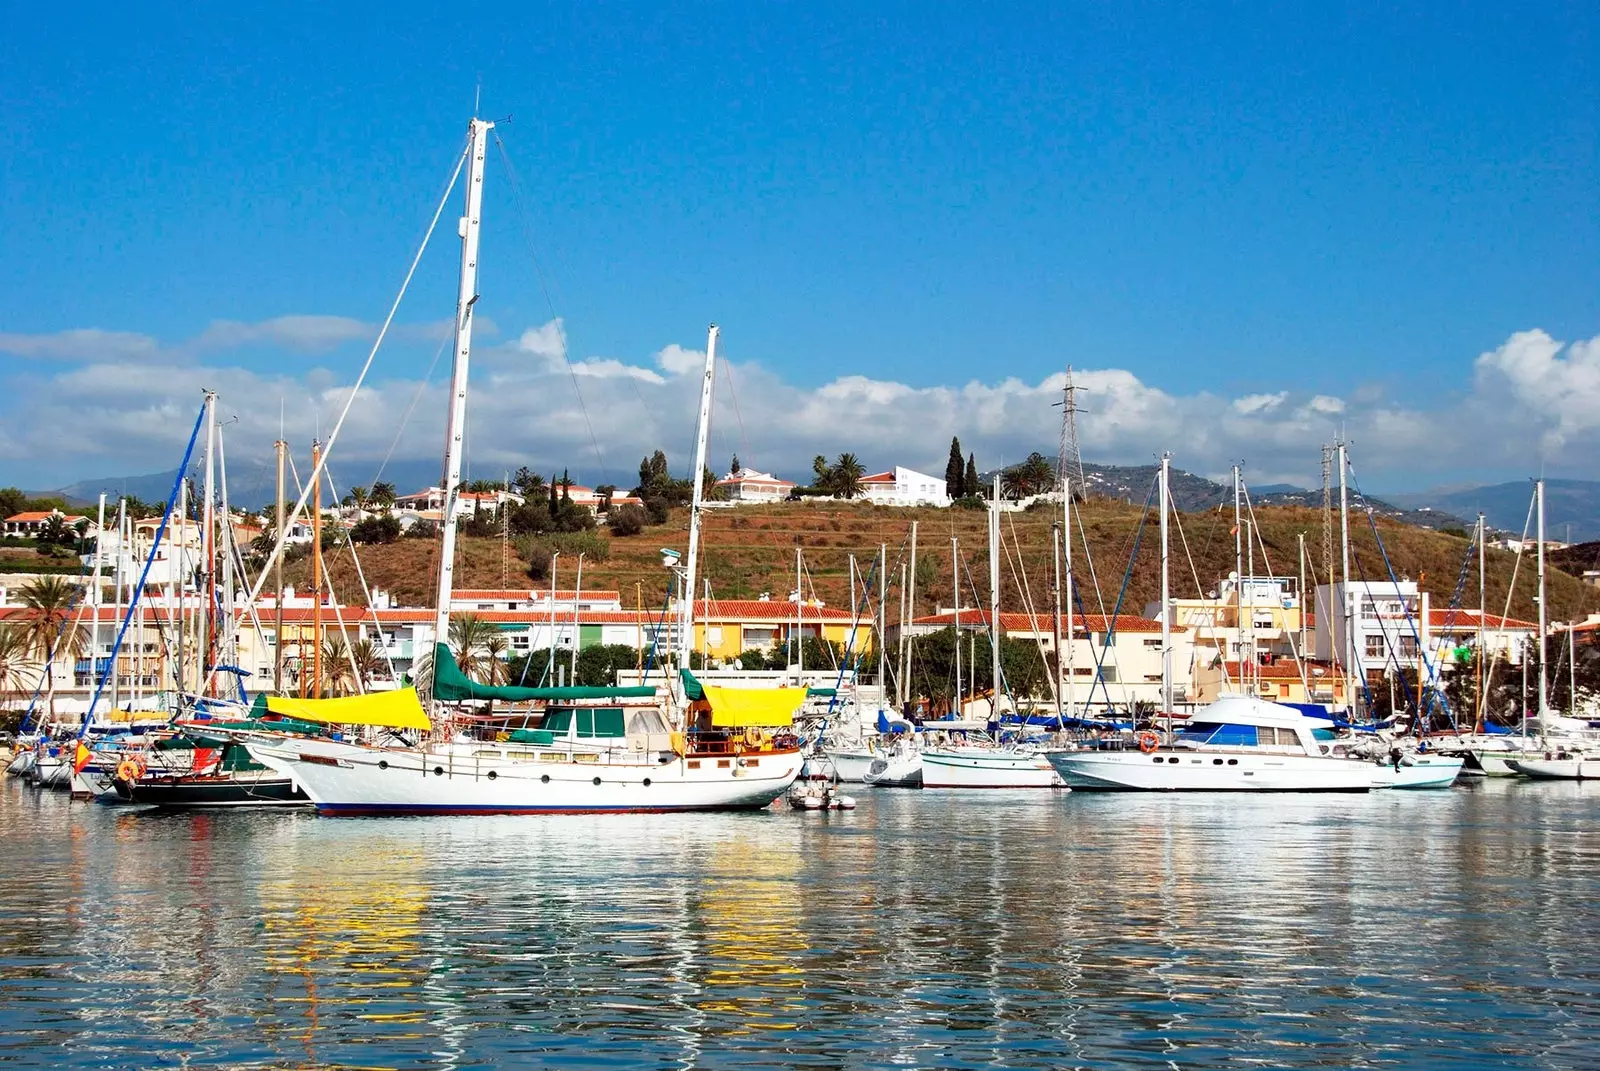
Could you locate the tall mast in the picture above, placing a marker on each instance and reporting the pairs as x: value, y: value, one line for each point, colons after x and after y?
x: 799, y: 618
x: 181, y: 558
x: 1066, y: 565
x: 316, y: 572
x: 550, y: 666
x: 455, y: 429
x: 116, y: 623
x: 577, y: 595
x: 911, y: 614
x: 883, y: 615
x: 208, y: 543
x: 1544, y: 669
x: 955, y: 575
x: 277, y: 532
x: 1166, y: 602
x: 1055, y: 621
x: 697, y: 503
x: 95, y: 594
x: 1350, y: 665
x: 1238, y: 583
x: 1483, y: 603
x: 994, y: 600
x: 1300, y: 655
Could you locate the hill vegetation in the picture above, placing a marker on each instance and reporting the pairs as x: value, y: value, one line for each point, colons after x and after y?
x: 750, y: 551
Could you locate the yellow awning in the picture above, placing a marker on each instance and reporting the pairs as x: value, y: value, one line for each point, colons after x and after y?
x: 399, y: 709
x: 735, y: 708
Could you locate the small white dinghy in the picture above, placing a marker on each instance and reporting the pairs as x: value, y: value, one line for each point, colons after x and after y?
x: 819, y: 796
x: 1559, y: 765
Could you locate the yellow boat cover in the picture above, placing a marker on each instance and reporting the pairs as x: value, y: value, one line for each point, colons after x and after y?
x: 399, y: 709
x: 737, y: 708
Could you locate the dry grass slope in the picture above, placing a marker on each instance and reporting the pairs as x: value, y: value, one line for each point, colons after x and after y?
x: 750, y: 550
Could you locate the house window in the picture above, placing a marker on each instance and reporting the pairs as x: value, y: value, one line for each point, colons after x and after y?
x: 1108, y: 674
x: 1152, y: 643
x: 1375, y: 647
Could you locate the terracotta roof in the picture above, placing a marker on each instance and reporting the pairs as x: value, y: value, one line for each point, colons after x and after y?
x: 1468, y: 619
x: 879, y: 477
x: 1286, y: 669
x: 766, y: 610
x: 495, y: 594
x: 43, y: 515
x: 1041, y: 622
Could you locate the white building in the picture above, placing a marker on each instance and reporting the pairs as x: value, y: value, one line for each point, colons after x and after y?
x: 1390, y: 624
x: 901, y: 486
x: 428, y: 503
x: 749, y: 486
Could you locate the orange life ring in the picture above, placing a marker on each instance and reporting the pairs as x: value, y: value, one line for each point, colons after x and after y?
x: 1148, y: 741
x: 130, y: 770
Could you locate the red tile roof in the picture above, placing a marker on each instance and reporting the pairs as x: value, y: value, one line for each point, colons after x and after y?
x: 1449, y: 619
x: 1286, y: 669
x: 42, y: 515
x: 526, y: 594
x: 1041, y: 622
x: 765, y: 610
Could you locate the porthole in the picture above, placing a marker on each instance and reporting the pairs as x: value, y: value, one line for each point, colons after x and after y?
x: 438, y: 771
x: 1216, y: 762
x: 646, y: 782
x: 597, y: 780
x: 383, y: 764
x: 1233, y: 762
x: 1158, y: 759
x: 545, y: 779
x: 492, y: 775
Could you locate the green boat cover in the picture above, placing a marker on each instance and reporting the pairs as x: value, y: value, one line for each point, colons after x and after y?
x: 450, y: 685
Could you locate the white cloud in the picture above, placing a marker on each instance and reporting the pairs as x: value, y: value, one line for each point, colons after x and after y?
x: 1559, y: 391
x: 308, y: 334
x: 132, y: 416
x: 82, y: 344
x: 677, y: 361
x: 1259, y: 403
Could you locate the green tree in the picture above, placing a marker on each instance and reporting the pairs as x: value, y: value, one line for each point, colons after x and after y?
x: 383, y: 494
x: 654, y: 476
x: 469, y: 637
x: 972, y: 487
x: 845, y: 476
x: 955, y: 483
x: 628, y: 520
x: 735, y: 469
x: 15, y: 665
x: 47, y: 628
x: 12, y: 501
x: 527, y: 483
x: 357, y: 497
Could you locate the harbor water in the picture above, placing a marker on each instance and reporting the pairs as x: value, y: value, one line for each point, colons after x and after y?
x: 924, y: 929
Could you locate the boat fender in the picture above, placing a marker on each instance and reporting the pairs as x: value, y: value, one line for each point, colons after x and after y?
x: 1148, y: 741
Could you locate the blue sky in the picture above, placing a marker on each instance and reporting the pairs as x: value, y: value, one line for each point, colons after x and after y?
x: 1224, y: 202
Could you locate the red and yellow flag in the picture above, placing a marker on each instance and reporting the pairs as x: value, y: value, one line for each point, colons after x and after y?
x: 80, y: 758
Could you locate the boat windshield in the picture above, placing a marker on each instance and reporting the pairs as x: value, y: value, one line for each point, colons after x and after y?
x: 1219, y: 734
x: 591, y: 721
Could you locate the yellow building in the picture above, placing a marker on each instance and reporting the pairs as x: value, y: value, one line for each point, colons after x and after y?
x: 726, y: 628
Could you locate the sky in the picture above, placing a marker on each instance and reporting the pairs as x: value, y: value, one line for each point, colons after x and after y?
x: 1249, y: 228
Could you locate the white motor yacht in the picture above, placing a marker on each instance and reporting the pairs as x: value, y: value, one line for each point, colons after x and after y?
x: 1237, y: 744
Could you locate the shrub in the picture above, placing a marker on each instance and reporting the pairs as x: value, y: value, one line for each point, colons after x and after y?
x: 628, y: 520
x: 657, y: 509
x: 381, y: 529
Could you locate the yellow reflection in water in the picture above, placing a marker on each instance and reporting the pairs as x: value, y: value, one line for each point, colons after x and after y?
x: 752, y: 946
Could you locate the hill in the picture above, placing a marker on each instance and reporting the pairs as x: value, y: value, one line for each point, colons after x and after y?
x: 1132, y: 483
x: 750, y: 551
x: 1574, y: 503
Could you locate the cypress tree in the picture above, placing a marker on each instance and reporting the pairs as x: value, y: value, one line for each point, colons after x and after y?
x: 954, y: 483
x: 972, y: 486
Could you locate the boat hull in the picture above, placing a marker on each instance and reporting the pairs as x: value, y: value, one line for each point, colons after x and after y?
x: 1571, y: 768
x: 1419, y: 772
x: 271, y: 790
x: 345, y: 779
x: 894, y: 771
x: 1167, y: 771
x: 852, y: 766
x: 987, y: 769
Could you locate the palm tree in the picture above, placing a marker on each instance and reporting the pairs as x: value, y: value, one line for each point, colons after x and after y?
x: 15, y: 666
x: 357, y: 497
x: 370, y: 663
x: 47, y: 628
x: 336, y: 675
x: 846, y: 476
x: 494, y: 668
x: 469, y: 635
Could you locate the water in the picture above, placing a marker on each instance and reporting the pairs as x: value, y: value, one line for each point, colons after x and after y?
x: 1456, y: 928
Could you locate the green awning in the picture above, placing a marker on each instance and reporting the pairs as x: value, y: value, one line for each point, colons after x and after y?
x: 450, y: 685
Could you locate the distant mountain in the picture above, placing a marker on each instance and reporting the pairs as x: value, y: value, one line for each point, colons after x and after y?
x: 1571, y: 507
x: 252, y: 486
x: 1192, y: 493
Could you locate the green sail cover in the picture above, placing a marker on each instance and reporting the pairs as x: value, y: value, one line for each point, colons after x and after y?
x: 450, y: 685
x: 691, y: 687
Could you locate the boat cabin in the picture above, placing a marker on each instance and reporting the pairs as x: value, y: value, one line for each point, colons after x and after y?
x: 1239, y: 721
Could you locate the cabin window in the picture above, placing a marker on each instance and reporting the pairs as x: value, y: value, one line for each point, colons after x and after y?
x: 1223, y: 735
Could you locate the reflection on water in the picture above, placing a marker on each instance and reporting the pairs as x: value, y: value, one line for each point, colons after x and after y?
x: 922, y: 930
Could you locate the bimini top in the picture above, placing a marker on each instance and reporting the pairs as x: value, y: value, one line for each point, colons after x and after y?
x: 1248, y: 710
x: 450, y: 685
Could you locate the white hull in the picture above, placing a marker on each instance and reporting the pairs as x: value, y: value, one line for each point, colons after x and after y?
x: 895, y: 771
x: 488, y: 779
x: 1571, y: 768
x: 852, y: 766
x: 1418, y: 771
x: 1210, y: 771
x: 987, y: 768
x: 1496, y: 763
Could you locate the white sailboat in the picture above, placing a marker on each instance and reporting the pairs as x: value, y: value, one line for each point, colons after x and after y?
x: 608, y: 758
x: 1237, y: 744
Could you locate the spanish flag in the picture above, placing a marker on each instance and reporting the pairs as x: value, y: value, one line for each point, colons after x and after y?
x: 80, y: 758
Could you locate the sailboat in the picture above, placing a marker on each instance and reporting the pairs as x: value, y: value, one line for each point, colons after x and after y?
x: 1237, y: 744
x: 596, y: 749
